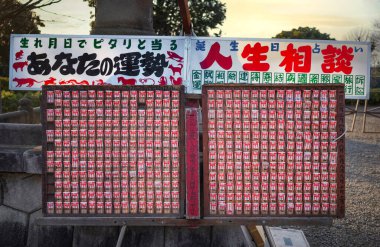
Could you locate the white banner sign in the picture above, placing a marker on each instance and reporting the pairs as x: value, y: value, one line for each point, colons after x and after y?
x: 142, y: 60
x: 215, y: 60
x: 38, y: 60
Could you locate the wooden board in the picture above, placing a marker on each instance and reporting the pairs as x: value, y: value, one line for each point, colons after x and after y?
x: 209, y: 221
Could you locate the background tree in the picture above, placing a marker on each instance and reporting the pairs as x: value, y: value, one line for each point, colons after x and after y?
x: 371, y: 35
x: 206, y: 16
x: 361, y: 35
x: 303, y: 33
x: 376, y: 49
x: 11, y: 9
x: 16, y: 17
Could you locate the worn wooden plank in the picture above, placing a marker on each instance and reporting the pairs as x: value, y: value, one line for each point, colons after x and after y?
x: 248, y: 238
x: 144, y: 236
x: 256, y: 236
x: 187, y: 236
x: 95, y: 236
x: 227, y: 236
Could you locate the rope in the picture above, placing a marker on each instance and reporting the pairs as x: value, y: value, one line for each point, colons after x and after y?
x: 345, y: 131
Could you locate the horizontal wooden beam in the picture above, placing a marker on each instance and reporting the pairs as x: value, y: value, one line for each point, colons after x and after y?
x: 119, y: 221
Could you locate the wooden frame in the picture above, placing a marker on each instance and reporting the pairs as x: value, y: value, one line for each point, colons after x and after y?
x: 135, y: 221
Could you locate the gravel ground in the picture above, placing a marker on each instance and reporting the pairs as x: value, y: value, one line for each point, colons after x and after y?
x: 361, y: 225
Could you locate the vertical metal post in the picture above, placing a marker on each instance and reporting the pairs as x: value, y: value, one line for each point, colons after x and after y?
x: 365, y: 115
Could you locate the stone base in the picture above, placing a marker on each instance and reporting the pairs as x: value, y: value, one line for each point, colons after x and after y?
x: 13, y: 227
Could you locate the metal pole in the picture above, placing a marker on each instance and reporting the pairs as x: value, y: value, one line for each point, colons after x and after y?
x: 121, y: 236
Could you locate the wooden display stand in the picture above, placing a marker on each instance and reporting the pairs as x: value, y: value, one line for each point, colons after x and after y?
x: 194, y: 200
x: 374, y: 112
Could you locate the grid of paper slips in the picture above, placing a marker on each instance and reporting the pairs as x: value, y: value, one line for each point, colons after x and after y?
x: 113, y: 151
x: 271, y: 151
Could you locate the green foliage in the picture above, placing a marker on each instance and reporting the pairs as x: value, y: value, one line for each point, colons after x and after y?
x: 91, y: 3
x: 303, y: 33
x: 374, y: 98
x: 10, y: 99
x: 21, y: 22
x: 206, y: 16
x: 4, y: 83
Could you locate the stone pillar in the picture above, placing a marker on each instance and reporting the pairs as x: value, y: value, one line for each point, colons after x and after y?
x: 25, y: 104
x: 132, y: 17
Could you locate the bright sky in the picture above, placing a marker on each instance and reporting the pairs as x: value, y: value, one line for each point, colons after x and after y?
x: 246, y: 18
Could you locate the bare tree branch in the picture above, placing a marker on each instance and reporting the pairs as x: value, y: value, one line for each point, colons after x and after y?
x: 12, y: 8
x: 359, y: 34
x: 362, y: 35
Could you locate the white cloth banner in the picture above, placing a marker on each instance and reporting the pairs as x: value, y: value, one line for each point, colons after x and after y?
x: 95, y: 60
x: 215, y: 60
x: 156, y: 60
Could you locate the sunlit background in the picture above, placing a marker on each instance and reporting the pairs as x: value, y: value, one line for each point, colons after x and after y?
x: 245, y: 18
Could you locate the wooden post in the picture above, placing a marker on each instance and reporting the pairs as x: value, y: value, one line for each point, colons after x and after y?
x: 354, y: 118
x: 185, y: 14
x: 365, y: 115
x: 247, y: 236
x: 251, y: 232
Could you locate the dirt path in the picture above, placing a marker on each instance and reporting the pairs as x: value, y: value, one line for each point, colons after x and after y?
x: 361, y: 226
